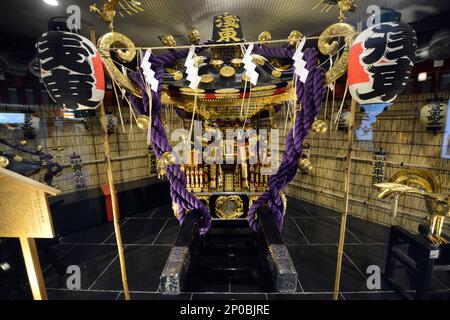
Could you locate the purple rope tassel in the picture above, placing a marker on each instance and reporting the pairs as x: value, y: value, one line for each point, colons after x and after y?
x: 310, y: 96
x: 160, y: 143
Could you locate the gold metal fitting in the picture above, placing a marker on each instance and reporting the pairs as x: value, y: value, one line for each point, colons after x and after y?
x: 168, y: 40
x: 4, y: 162
x: 206, y: 78
x: 294, y: 37
x: 276, y: 73
x: 194, y: 36
x: 39, y: 148
x: 237, y: 63
x: 176, y: 209
x: 178, y: 75
x: 23, y: 142
x: 216, y: 63
x: 143, y: 122
x: 260, y: 60
x: 227, y: 71
x: 305, y: 166
x: 245, y: 77
x: 319, y: 126
x: 264, y: 37
x: 18, y: 158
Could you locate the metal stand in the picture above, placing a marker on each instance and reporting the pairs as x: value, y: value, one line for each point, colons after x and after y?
x: 421, y: 259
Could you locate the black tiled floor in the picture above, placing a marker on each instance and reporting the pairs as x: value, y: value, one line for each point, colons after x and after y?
x: 155, y: 296
x: 140, y: 231
x: 310, y: 232
x: 92, y: 260
x: 300, y: 296
x: 163, y: 212
x: 169, y: 233
x: 81, y: 295
x: 94, y: 235
x: 322, y: 230
x: 144, y: 266
x: 316, y: 267
x: 291, y: 233
x: 229, y: 296
x: 367, y: 231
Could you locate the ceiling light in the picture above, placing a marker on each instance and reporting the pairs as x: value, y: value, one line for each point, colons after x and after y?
x: 52, y: 3
x: 422, y: 77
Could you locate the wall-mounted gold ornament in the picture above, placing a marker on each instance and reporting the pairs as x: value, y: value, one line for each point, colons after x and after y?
x: 425, y: 183
x: 319, y: 126
x: 143, y: 122
x: 125, y: 55
x: 264, y: 37
x: 294, y: 37
x: 216, y: 63
x: 178, y: 75
x: 4, y: 162
x: 206, y: 78
x: 305, y: 166
x: 327, y: 45
x: 229, y: 207
x: 168, y: 40
x: 227, y: 72
x: 194, y: 36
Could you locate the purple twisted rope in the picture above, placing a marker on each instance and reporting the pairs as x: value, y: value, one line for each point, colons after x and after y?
x: 177, y: 179
x: 310, y: 96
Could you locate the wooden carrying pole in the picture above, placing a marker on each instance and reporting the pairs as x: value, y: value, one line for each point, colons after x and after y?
x: 112, y: 190
x: 33, y: 267
x: 348, y: 163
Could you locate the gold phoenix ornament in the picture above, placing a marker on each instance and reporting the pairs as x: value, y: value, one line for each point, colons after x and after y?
x: 422, y: 182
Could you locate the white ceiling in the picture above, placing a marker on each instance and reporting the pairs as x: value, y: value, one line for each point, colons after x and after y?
x: 29, y: 17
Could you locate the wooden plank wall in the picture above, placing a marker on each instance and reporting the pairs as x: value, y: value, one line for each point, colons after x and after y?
x: 129, y: 150
x: 407, y: 145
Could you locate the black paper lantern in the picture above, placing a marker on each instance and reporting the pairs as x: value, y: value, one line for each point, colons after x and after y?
x: 71, y: 70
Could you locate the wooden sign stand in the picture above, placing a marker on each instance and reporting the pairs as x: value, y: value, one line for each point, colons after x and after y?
x: 25, y: 215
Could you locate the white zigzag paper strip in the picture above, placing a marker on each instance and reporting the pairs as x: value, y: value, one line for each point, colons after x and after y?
x: 192, y: 69
x: 250, y: 66
x: 300, y: 64
x: 149, y: 74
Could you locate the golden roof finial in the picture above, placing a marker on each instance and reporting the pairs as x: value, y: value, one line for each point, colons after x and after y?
x: 110, y: 7
x: 344, y: 7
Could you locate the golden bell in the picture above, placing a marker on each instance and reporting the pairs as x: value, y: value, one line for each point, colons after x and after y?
x: 305, y: 166
x: 319, y: 126
x: 264, y: 37
x: 194, y: 36
x: 168, y: 40
x: 39, y: 148
x: 294, y: 37
x: 143, y: 122
x: 4, y: 162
